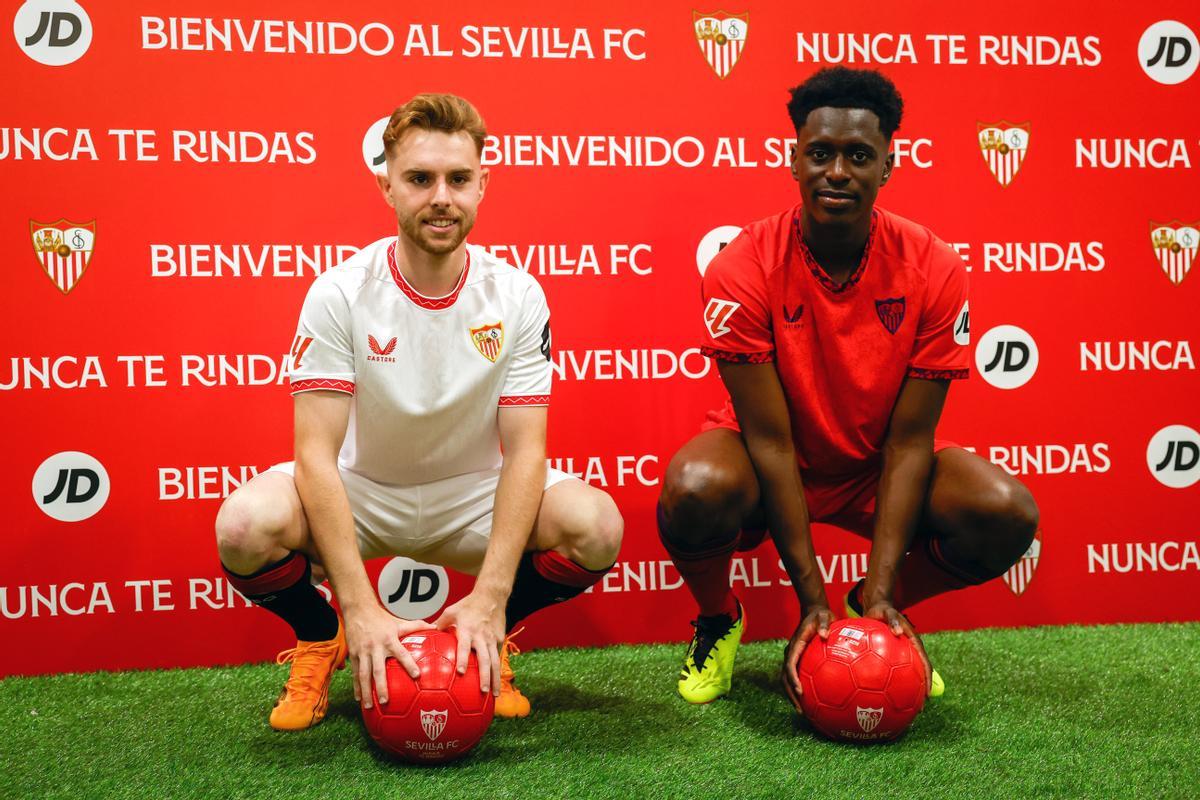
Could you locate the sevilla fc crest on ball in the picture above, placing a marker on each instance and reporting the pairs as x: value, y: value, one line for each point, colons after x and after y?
x: 488, y: 340
x: 1175, y: 247
x: 63, y: 250
x: 722, y: 37
x: 1004, y: 145
x: 1021, y: 573
x: 433, y: 723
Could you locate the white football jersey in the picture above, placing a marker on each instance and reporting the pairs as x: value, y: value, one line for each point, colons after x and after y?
x: 427, y: 373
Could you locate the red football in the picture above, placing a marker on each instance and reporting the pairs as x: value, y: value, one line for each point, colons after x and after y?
x: 438, y: 717
x: 863, y: 683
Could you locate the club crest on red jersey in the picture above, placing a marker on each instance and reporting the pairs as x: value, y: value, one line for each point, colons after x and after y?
x: 891, y: 312
x: 1004, y: 145
x: 381, y: 352
x: 434, y: 722
x: 1020, y: 574
x: 1175, y: 247
x: 722, y: 37
x: 868, y: 718
x: 488, y: 340
x: 63, y: 250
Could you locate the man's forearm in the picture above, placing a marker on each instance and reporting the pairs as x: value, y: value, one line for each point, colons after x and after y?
x: 787, y: 518
x: 518, y: 496
x: 902, y: 487
x: 331, y: 524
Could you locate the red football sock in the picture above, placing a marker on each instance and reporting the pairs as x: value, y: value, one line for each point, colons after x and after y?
x: 926, y: 573
x: 706, y: 574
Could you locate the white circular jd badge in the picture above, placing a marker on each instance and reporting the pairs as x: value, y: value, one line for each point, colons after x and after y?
x: 412, y: 590
x: 1006, y: 356
x: 53, y: 32
x: 714, y: 242
x: 1173, y: 456
x: 70, y: 486
x: 372, y: 147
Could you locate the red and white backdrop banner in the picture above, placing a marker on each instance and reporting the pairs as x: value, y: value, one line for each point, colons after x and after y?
x: 175, y: 176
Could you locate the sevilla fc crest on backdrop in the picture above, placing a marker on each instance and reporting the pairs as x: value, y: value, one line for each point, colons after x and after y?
x: 1004, y: 145
x: 488, y: 340
x: 63, y: 250
x: 1175, y: 246
x: 1020, y: 574
x: 722, y: 37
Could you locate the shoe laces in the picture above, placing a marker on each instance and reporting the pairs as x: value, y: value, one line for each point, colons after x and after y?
x: 509, y: 648
x: 309, y: 666
x: 709, y: 631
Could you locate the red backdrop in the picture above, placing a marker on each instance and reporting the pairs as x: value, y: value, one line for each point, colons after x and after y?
x: 120, y: 356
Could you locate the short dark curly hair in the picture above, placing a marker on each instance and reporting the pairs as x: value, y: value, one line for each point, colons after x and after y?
x: 841, y: 87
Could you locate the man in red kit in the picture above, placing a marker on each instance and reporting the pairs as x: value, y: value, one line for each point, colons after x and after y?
x: 837, y: 328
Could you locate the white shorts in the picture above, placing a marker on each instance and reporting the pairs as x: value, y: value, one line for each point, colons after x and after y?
x: 446, y: 522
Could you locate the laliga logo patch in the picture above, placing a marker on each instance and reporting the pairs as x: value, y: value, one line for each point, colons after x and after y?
x: 1175, y: 247
x: 722, y: 37
x: 1168, y: 52
x: 53, y: 32
x: 1173, y: 456
x: 868, y: 718
x: 716, y: 315
x: 1004, y: 145
x: 433, y: 723
x: 64, y: 250
x: 372, y: 147
x: 1020, y: 574
x: 488, y: 340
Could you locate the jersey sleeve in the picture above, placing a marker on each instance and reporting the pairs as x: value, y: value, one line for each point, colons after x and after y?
x: 941, y: 349
x: 737, y: 319
x: 528, y: 380
x: 322, y: 353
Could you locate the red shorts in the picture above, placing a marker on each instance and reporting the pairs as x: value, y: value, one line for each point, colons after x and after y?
x: 846, y: 503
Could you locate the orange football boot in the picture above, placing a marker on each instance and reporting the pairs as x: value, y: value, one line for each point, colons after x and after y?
x: 305, y: 695
x: 510, y: 703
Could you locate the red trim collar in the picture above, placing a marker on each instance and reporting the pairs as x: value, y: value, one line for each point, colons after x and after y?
x: 819, y: 273
x: 431, y: 303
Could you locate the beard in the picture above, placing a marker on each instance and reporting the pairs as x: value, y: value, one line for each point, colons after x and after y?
x: 421, y: 235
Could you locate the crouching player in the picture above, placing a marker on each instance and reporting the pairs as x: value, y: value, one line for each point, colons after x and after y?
x: 837, y: 328
x: 421, y: 376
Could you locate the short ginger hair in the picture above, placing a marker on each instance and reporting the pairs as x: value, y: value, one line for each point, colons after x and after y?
x: 435, y: 112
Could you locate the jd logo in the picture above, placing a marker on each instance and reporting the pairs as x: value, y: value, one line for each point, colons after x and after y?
x: 70, y: 486
x: 1173, y: 456
x: 1007, y: 357
x: 1168, y: 52
x: 53, y: 32
x: 372, y: 146
x: 412, y: 590
x: 712, y: 243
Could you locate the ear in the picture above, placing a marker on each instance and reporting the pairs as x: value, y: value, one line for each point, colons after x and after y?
x: 888, y: 163
x: 384, y: 183
x: 484, y: 175
x: 793, y: 155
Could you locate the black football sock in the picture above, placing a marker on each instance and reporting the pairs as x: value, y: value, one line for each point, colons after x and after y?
x: 543, y: 579
x: 284, y: 588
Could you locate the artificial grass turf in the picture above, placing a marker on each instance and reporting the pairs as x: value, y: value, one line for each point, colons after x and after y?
x: 1073, y: 712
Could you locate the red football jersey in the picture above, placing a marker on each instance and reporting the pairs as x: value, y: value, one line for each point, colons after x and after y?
x: 842, y: 352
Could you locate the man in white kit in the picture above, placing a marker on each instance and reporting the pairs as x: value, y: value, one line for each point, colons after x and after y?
x: 416, y: 364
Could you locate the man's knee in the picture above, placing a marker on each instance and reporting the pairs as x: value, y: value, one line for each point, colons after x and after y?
x: 248, y: 531
x: 703, y: 501
x: 590, y: 530
x: 1000, y: 529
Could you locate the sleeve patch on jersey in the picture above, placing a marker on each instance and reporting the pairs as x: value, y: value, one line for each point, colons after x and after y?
x: 717, y: 314
x: 322, y: 384
x: 939, y: 374
x: 739, y: 358
x: 962, y: 325
x: 524, y: 400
